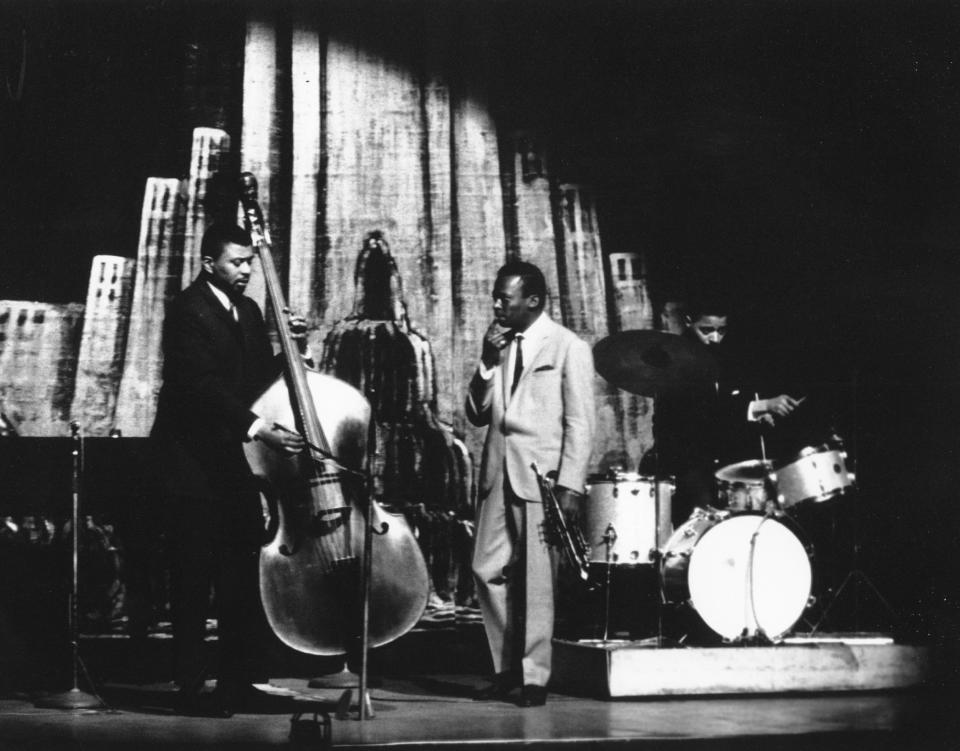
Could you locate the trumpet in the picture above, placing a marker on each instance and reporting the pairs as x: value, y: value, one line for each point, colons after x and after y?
x: 565, y: 536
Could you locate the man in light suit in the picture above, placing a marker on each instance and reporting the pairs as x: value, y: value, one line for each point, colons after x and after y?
x: 533, y: 389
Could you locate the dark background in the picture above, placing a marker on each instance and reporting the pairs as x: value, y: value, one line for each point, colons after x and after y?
x: 801, y: 157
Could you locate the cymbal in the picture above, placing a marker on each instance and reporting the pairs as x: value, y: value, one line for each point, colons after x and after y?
x: 652, y: 363
x: 751, y: 470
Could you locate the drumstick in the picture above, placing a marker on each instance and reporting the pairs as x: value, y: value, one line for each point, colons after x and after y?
x: 763, y: 446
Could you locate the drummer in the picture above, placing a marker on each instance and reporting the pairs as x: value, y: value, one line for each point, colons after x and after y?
x: 703, y: 426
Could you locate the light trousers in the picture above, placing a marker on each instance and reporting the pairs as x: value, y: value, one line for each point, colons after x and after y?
x: 515, y: 571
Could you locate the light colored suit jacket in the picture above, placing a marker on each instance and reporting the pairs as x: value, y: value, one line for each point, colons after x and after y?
x: 550, y: 419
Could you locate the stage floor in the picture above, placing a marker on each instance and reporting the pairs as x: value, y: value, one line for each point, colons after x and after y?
x: 436, y: 712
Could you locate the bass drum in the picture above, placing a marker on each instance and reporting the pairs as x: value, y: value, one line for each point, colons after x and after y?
x: 745, y: 574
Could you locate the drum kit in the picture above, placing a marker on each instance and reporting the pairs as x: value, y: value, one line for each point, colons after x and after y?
x: 741, y: 571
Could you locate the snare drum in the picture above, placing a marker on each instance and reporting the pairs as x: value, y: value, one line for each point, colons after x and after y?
x: 745, y: 486
x: 620, y: 524
x: 816, y: 473
x: 743, y: 573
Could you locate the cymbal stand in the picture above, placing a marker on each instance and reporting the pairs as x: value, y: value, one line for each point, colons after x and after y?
x: 856, y: 574
x: 74, y: 698
x: 655, y: 553
x: 859, y: 576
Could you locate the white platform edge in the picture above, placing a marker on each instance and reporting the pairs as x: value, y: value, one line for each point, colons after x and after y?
x: 623, y: 670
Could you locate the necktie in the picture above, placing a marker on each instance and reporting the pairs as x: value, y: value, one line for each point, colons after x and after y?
x: 233, y: 313
x: 517, y: 363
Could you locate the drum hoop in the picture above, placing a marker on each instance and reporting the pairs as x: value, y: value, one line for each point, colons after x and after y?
x: 625, y: 478
x: 784, y: 518
x: 819, y: 498
x: 747, y: 483
x: 767, y: 464
x: 710, y: 515
x: 822, y: 448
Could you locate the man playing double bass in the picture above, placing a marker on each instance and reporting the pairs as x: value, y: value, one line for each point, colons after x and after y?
x: 217, y: 360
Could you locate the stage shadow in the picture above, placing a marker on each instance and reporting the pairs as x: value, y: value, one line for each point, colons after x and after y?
x: 160, y: 700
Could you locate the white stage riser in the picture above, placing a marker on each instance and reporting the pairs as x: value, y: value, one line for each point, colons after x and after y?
x: 628, y: 670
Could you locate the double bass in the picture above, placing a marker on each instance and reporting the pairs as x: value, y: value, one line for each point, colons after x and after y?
x: 311, y: 568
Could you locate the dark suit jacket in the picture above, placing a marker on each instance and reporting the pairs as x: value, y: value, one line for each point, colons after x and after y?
x: 213, y: 370
x: 706, y: 426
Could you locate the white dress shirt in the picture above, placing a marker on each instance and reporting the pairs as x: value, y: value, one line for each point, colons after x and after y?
x: 529, y: 340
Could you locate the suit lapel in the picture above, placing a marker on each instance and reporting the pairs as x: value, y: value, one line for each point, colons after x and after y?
x: 218, y: 310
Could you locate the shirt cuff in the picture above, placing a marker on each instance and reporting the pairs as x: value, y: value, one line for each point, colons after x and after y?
x: 255, y: 428
x: 485, y: 372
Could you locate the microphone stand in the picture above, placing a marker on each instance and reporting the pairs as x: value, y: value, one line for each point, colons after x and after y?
x: 345, y: 679
x: 74, y: 698
x: 364, y: 704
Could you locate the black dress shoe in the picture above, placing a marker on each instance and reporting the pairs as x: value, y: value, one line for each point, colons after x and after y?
x: 499, y: 688
x: 533, y: 696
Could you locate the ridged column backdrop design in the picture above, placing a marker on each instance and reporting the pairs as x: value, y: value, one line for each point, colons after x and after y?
x: 39, y: 343
x: 104, y: 344
x: 358, y: 118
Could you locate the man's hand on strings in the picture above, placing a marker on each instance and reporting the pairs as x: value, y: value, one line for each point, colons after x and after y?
x: 298, y: 330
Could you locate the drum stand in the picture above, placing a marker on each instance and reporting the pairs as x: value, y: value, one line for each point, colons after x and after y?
x: 856, y: 575
x: 609, y: 538
x: 74, y: 698
x: 655, y: 555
